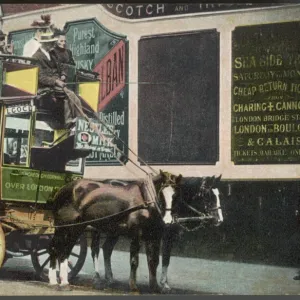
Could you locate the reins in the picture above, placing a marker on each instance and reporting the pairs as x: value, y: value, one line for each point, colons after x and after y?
x: 152, y: 195
x: 153, y: 199
x: 150, y: 187
x: 68, y: 92
x: 102, y: 136
x: 117, y: 150
x: 128, y: 210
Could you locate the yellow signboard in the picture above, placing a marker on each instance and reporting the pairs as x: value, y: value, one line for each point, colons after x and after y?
x: 89, y: 92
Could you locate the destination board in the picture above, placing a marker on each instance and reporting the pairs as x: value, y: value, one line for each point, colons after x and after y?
x: 266, y: 94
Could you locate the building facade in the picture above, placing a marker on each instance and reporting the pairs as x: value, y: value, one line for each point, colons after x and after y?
x: 198, y: 89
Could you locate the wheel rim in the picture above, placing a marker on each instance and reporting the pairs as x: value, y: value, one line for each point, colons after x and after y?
x: 41, y: 258
x: 2, y: 246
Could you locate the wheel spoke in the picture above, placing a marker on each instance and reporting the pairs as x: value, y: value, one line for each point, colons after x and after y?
x: 45, y: 262
x: 70, y: 265
x: 74, y: 254
x: 41, y: 257
x: 43, y: 252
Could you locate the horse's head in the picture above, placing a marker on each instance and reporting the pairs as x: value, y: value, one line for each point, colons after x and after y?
x: 165, y: 184
x: 197, y: 201
x: 210, y: 194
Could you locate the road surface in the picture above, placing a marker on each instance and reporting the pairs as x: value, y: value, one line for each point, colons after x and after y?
x: 186, y: 276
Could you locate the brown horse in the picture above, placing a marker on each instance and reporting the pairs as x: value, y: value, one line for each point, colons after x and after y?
x: 114, y: 210
x: 195, y: 204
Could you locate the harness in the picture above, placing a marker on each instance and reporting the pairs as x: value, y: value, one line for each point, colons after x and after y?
x: 152, y: 197
x: 169, y: 182
x: 126, y: 211
x: 203, y: 218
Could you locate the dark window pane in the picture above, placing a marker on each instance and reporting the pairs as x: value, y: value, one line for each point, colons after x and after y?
x: 179, y: 98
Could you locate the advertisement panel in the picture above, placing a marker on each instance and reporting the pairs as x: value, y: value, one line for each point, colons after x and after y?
x: 99, y: 50
x: 266, y: 94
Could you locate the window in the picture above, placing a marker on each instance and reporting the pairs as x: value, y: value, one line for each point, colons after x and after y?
x: 178, y: 108
x: 16, y: 138
x: 44, y: 135
x: 43, y: 132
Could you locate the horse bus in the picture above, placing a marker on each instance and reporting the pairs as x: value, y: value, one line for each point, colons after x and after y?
x: 198, y: 90
x: 31, y: 136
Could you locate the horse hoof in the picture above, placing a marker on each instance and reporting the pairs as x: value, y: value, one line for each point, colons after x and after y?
x: 156, y: 290
x: 166, y: 290
x: 109, y: 286
x: 97, y: 285
x: 109, y: 282
x: 64, y: 288
x: 135, y: 292
x: 97, y: 282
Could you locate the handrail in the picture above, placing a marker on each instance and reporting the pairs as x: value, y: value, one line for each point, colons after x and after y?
x: 16, y: 99
x: 10, y: 56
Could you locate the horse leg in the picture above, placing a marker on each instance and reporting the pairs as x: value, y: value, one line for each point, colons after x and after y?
x: 108, y: 247
x: 167, y: 243
x: 54, y: 249
x: 95, y: 249
x: 63, y: 274
x: 52, y: 270
x: 70, y: 238
x: 135, y: 246
x: 152, y: 252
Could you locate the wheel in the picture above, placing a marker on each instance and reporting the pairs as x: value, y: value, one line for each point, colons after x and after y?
x: 2, y: 246
x: 41, y: 259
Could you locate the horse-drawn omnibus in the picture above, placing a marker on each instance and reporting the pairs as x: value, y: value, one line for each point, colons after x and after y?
x: 38, y: 156
x: 199, y: 89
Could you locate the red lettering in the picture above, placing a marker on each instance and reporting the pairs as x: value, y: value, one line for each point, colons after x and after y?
x: 121, y: 64
x: 108, y: 76
x: 115, y: 73
x: 102, y: 85
x: 112, y: 71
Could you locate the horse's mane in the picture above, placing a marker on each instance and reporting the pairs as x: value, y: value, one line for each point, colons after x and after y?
x: 188, y: 188
x: 190, y: 183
